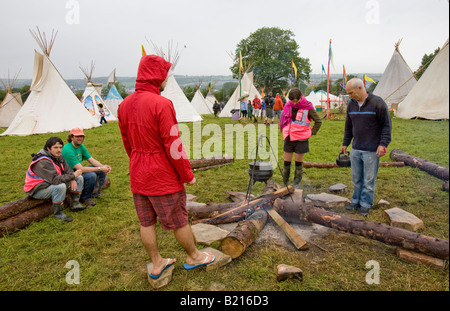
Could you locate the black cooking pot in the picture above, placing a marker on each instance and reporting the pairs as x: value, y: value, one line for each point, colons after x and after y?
x: 261, y: 171
x: 343, y: 160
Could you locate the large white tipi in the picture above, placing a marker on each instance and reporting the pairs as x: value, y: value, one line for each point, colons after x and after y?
x: 313, y: 99
x: 11, y: 104
x: 429, y: 99
x: 113, y: 98
x: 92, y: 100
x: 183, y: 108
x: 51, y: 106
x: 245, y: 88
x: 397, y: 80
x: 199, y: 102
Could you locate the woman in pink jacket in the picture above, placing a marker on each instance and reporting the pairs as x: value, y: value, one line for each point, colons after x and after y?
x: 159, y: 166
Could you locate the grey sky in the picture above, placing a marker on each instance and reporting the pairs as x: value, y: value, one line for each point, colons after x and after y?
x: 111, y: 32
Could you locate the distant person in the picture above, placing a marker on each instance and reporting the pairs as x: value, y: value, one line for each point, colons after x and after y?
x: 243, y: 109
x: 256, y: 108
x: 159, y: 166
x: 263, y: 110
x: 368, y: 124
x: 101, y: 112
x: 295, y: 125
x: 49, y: 176
x: 75, y: 153
x: 277, y: 107
x: 270, y: 101
x: 216, y: 108
x: 250, y: 110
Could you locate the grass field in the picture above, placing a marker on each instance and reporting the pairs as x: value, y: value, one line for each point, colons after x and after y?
x: 105, y: 239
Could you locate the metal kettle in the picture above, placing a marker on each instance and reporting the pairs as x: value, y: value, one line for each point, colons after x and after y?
x: 343, y: 160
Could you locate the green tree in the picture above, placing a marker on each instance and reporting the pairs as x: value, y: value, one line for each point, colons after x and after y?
x: 189, y: 91
x: 426, y: 61
x: 269, y: 53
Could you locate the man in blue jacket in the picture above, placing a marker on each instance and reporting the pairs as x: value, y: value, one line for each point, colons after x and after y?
x: 369, y: 126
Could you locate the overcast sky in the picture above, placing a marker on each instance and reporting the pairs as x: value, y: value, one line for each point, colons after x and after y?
x: 111, y: 32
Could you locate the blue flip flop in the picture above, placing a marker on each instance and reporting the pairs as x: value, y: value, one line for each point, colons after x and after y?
x: 190, y: 267
x: 156, y: 276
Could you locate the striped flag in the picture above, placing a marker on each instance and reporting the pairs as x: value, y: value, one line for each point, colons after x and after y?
x: 143, y: 51
x: 345, y: 76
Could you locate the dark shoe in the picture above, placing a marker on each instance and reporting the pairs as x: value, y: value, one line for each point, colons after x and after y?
x: 89, y: 203
x: 75, y: 205
x: 353, y: 207
x: 58, y: 213
x: 364, y: 211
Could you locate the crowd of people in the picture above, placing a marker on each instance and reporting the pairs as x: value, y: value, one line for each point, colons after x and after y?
x: 158, y: 172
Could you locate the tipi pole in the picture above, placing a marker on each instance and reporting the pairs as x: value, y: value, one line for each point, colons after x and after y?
x: 328, y: 82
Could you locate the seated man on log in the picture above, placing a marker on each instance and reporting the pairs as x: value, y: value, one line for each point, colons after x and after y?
x: 75, y: 153
x: 49, y: 176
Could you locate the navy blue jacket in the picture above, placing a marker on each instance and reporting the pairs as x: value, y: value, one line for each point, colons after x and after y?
x: 369, y: 125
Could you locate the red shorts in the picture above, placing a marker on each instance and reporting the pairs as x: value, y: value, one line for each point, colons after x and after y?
x: 170, y: 209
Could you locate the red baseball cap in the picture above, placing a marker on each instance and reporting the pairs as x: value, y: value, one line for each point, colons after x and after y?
x: 77, y: 132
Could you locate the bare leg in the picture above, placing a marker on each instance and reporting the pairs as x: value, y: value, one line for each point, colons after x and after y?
x: 148, y: 236
x: 185, y: 238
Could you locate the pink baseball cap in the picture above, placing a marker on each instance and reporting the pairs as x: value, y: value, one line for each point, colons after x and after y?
x: 77, y: 132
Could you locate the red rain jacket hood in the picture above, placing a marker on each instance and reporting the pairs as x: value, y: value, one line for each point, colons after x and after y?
x: 149, y: 129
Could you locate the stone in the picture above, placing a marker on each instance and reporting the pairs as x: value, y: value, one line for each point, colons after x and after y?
x: 417, y: 258
x: 327, y: 200
x: 383, y: 204
x: 338, y: 188
x: 163, y: 280
x: 297, y: 196
x: 191, y: 198
x: 286, y: 272
x: 403, y: 219
x: 220, y: 261
x: 206, y: 234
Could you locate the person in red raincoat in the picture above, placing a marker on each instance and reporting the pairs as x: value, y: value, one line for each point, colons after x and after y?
x: 159, y: 166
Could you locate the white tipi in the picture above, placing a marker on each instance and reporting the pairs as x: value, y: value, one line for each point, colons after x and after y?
x: 51, y: 106
x: 199, y: 103
x: 245, y: 88
x: 183, y: 108
x: 113, y: 98
x: 92, y: 100
x: 429, y: 99
x: 11, y: 104
x: 210, y: 98
x: 397, y: 80
x: 313, y: 99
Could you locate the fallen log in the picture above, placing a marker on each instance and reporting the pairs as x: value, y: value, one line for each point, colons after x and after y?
x: 333, y: 165
x: 431, y: 168
x: 18, y: 207
x: 445, y: 186
x: 387, y: 234
x: 213, y: 161
x: 14, y: 223
x: 238, y: 240
x: 210, y: 210
x: 245, y: 208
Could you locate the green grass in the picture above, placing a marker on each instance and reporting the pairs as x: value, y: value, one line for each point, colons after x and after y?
x: 105, y: 239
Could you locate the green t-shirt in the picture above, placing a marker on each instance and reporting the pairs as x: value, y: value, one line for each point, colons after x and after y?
x: 74, y: 156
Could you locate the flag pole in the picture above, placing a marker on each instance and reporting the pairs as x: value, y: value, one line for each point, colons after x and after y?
x: 240, y: 68
x: 328, y: 82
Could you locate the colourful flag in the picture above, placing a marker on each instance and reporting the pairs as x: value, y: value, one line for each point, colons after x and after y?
x: 295, y: 69
x: 330, y: 57
x: 345, y: 76
x: 323, y: 69
x: 240, y: 62
x: 366, y: 78
x: 143, y: 51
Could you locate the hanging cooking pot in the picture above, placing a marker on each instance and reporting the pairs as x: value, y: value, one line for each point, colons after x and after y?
x: 260, y: 171
x: 343, y: 160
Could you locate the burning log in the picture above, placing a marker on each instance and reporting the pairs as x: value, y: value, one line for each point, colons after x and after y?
x: 387, y: 234
x: 24, y: 219
x: 237, y: 241
x: 333, y: 165
x: 211, y: 162
x: 244, y: 208
x: 19, y: 206
x: 431, y: 168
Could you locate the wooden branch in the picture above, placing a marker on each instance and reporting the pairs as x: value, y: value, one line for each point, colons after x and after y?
x: 431, y: 168
x: 19, y: 206
x: 334, y: 165
x: 387, y: 234
x: 213, y: 161
x: 243, y: 208
x: 14, y: 223
x: 238, y: 240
